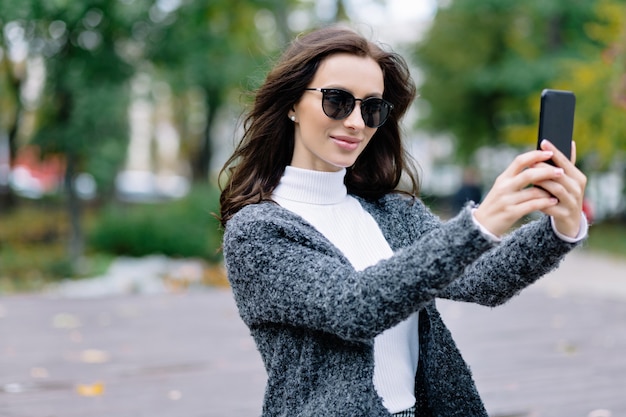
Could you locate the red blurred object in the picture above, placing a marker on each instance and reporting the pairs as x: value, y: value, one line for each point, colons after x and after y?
x: 33, y: 176
x: 588, y: 210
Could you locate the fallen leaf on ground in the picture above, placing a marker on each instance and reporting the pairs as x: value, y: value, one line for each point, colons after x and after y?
x: 90, y: 390
x: 94, y: 356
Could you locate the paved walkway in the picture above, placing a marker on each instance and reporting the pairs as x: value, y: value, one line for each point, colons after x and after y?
x: 557, y: 350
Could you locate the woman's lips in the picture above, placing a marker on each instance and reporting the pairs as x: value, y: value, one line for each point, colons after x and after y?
x: 346, y: 142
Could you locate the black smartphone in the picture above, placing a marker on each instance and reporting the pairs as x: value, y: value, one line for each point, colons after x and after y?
x: 556, y: 119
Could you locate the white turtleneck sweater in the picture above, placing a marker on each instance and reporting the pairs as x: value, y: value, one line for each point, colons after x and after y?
x: 321, y: 198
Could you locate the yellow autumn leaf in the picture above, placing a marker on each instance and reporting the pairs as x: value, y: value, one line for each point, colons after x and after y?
x: 90, y: 390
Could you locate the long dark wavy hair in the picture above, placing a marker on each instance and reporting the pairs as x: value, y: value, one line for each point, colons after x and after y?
x: 267, y: 145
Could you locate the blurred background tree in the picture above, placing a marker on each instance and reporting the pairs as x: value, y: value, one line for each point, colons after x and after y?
x: 211, y: 48
x: 12, y: 77
x: 80, y: 112
x: 69, y: 72
x: 73, y: 72
x: 486, y: 62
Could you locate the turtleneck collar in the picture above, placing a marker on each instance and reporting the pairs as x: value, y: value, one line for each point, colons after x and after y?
x: 312, y: 187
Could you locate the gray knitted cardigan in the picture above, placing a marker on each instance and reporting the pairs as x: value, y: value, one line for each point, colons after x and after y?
x: 314, y: 318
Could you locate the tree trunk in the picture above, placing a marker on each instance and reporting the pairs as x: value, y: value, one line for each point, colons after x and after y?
x: 8, y: 200
x: 202, y: 162
x: 7, y: 196
x: 74, y: 210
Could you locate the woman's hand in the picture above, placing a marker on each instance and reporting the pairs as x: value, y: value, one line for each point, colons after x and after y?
x: 511, y: 198
x: 569, y: 189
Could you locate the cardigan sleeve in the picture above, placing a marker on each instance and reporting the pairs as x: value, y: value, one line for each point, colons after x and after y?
x: 520, y: 259
x: 282, y: 271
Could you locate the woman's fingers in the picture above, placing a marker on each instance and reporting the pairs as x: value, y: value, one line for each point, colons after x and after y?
x: 566, y: 213
x: 500, y: 210
x: 559, y: 192
x: 535, y: 175
x: 510, y: 198
x: 568, y: 189
x: 533, y: 198
x: 526, y: 160
x: 578, y: 179
x: 560, y: 160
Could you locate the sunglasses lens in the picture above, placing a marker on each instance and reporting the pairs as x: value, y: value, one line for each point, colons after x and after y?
x: 337, y: 104
x: 374, y: 111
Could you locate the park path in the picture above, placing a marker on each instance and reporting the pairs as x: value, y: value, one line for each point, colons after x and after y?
x: 557, y: 350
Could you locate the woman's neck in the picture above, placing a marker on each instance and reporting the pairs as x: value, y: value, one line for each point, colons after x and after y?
x: 312, y: 187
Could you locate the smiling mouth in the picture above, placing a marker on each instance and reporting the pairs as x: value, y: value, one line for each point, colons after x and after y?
x: 345, y: 143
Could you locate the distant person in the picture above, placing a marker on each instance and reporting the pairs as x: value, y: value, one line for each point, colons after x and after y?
x: 470, y: 190
x: 335, y: 271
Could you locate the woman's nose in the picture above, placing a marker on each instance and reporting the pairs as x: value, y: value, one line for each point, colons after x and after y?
x: 355, y: 119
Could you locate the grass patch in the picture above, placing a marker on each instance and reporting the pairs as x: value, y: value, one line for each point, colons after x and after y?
x: 608, y: 237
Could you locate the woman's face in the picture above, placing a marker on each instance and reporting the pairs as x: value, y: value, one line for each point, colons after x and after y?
x: 324, y: 144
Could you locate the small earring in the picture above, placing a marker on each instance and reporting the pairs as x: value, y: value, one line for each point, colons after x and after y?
x: 293, y: 118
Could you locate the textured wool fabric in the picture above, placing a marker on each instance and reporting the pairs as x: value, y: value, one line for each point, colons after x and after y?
x: 321, y: 198
x: 406, y: 413
x: 314, y: 317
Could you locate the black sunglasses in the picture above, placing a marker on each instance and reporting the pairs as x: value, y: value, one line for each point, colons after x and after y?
x: 338, y: 104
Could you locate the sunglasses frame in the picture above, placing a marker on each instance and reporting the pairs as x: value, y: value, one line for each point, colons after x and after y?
x: 325, y: 91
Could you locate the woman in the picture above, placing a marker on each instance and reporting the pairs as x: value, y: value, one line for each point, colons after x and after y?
x: 335, y: 271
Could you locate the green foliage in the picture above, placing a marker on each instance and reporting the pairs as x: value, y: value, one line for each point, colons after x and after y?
x: 210, y: 44
x: 33, y: 240
x: 183, y: 228
x: 86, y: 95
x: 211, y: 48
x: 8, y: 96
x: 82, y: 114
x: 600, y: 84
x: 33, y: 249
x: 608, y: 237
x: 97, y: 131
x: 486, y: 62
